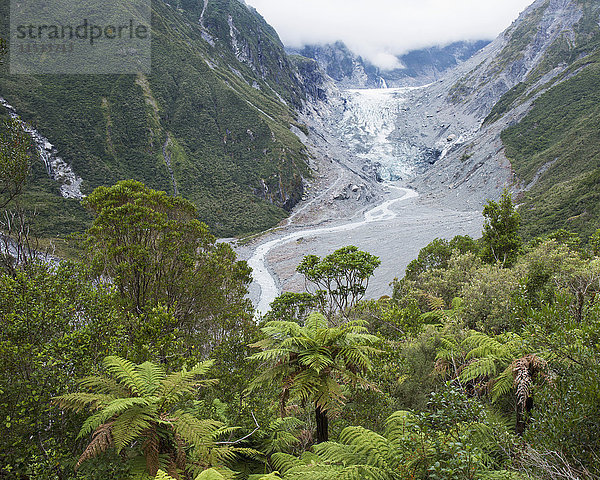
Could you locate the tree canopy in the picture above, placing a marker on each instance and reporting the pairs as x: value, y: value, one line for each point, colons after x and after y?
x: 156, y: 252
x: 341, y: 277
x: 16, y: 155
x: 501, y: 240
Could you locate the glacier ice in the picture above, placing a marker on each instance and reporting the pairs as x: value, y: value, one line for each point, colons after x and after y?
x: 368, y: 125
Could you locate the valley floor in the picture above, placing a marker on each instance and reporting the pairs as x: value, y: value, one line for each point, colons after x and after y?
x: 353, y: 138
x: 394, y: 229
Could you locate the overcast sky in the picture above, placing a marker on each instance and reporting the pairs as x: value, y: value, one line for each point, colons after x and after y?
x: 380, y: 29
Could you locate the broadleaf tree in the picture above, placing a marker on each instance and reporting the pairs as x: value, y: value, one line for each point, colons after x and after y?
x: 16, y: 156
x: 155, y: 250
x: 341, y: 278
x: 501, y: 240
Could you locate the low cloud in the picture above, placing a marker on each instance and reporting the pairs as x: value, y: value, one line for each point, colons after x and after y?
x: 381, y: 29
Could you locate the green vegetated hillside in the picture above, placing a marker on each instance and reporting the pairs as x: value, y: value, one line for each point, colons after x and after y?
x: 217, y: 105
x: 555, y: 149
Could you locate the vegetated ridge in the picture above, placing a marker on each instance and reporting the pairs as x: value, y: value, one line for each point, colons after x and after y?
x: 211, y: 122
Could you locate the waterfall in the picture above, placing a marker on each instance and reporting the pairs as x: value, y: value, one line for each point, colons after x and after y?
x: 57, y: 168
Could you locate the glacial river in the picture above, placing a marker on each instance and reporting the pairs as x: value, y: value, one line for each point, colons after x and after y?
x: 395, y: 230
x: 264, y: 278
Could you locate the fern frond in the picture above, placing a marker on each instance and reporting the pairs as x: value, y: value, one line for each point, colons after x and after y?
x: 196, y: 432
x: 82, y: 401
x: 130, y: 424
x: 363, y: 472
x: 284, y: 462
x: 480, y: 345
x: 435, y: 303
x: 503, y: 384
x: 318, y: 360
x: 106, y: 385
x: 214, y: 474
x: 162, y: 475
x: 152, y: 376
x: 270, y: 476
x: 373, y: 447
x: 280, y: 329
x: 336, y: 453
x: 316, y: 321
x: 113, y: 409
x: 399, y: 425
x: 482, y: 368
x: 522, y: 381
x: 101, y: 442
x: 176, y: 385
x: 272, y: 355
x: 125, y: 371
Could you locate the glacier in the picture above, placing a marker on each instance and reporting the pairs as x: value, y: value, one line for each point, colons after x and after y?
x: 368, y: 125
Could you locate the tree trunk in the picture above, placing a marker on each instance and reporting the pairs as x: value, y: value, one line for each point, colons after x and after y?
x: 322, y: 424
x: 522, y: 417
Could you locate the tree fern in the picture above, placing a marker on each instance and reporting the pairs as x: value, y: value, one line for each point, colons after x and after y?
x: 136, y: 411
x: 313, y: 362
x: 501, y: 364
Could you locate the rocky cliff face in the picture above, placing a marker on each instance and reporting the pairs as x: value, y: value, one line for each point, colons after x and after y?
x: 499, y: 84
x: 240, y: 29
x: 526, y: 49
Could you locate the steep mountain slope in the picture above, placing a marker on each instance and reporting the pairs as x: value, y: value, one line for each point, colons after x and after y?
x: 522, y: 112
x: 212, y: 121
x: 419, y: 67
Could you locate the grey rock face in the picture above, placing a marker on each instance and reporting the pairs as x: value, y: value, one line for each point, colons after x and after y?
x: 449, y: 115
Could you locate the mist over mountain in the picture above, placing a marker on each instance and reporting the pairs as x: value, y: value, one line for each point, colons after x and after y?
x: 418, y: 67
